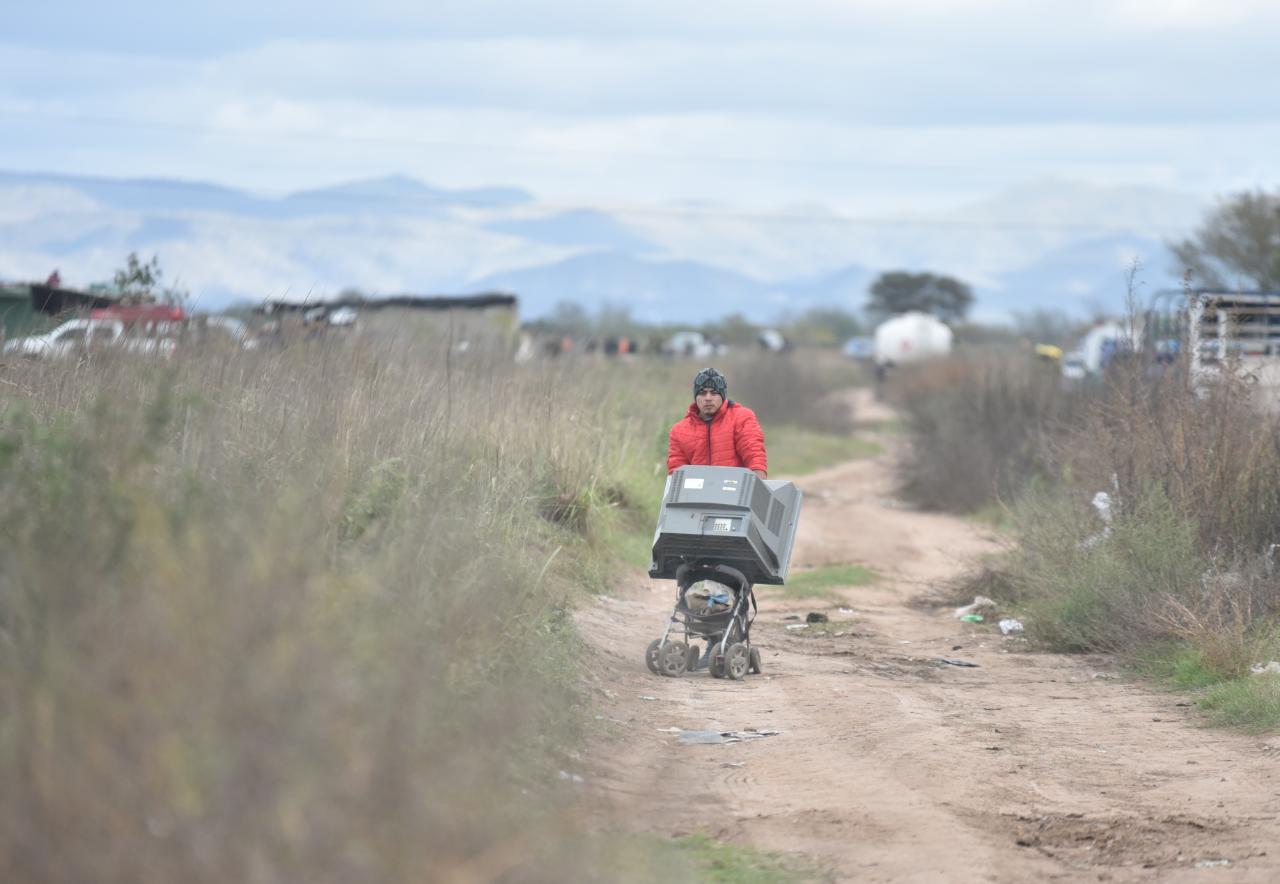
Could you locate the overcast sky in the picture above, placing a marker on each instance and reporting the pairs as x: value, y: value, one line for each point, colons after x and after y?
x: 861, y: 105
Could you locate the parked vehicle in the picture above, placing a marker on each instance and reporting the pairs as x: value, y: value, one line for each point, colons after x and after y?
x: 772, y: 341
x: 343, y: 317
x: 70, y: 337
x: 1098, y: 348
x: 861, y: 347
x: 83, y: 335
x: 220, y: 330
x: 910, y: 338
x: 691, y: 344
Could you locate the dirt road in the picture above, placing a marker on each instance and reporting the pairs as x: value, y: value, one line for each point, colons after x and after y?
x: 889, y: 765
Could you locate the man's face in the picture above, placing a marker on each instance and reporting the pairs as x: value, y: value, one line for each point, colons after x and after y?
x: 708, y: 402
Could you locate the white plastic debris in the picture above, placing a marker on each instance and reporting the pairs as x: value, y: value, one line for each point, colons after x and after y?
x: 1272, y: 668
x: 797, y: 626
x: 980, y: 603
x: 1101, y: 503
x: 1009, y: 626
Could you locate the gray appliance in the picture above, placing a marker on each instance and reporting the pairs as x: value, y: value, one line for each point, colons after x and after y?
x: 727, y: 516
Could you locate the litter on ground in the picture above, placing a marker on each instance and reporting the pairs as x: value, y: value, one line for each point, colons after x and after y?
x: 954, y: 661
x: 981, y: 604
x: 712, y: 737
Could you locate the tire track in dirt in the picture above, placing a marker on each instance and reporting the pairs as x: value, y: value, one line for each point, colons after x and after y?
x: 890, y: 766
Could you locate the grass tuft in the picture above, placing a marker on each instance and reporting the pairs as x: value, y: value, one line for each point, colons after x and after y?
x: 822, y: 583
x: 1250, y: 704
x: 721, y: 863
x: 794, y: 451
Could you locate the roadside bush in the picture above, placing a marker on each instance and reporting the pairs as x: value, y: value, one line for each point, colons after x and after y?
x: 1185, y: 577
x: 808, y: 390
x: 1083, y: 590
x: 1216, y: 456
x: 976, y: 426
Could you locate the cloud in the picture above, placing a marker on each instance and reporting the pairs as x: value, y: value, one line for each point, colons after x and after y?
x: 164, y: 27
x: 1192, y: 15
x: 857, y: 103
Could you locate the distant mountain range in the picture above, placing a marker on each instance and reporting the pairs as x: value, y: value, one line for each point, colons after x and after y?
x: 1050, y: 244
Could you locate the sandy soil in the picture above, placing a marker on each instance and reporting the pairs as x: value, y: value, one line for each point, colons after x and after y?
x: 892, y: 766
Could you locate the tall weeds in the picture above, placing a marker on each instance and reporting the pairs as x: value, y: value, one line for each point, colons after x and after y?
x: 296, y: 615
x: 976, y: 425
x: 1193, y: 487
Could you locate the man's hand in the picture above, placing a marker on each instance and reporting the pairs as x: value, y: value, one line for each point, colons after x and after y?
x: 759, y: 473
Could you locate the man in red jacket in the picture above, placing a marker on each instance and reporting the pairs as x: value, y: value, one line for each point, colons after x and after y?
x: 717, y: 431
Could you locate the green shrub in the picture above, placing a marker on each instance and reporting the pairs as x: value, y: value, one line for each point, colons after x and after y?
x: 1081, y: 591
x: 1251, y: 704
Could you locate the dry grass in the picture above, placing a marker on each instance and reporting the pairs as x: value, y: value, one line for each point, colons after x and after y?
x: 976, y: 425
x: 294, y: 615
x: 1194, y: 482
x: 304, y: 614
x: 1215, y: 456
x: 1230, y: 621
x: 805, y: 389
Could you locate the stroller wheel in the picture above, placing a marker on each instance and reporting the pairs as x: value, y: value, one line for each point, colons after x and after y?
x: 651, y: 655
x: 754, y: 659
x: 673, y: 659
x: 737, y: 661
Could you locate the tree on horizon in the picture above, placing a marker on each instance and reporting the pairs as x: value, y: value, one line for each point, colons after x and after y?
x: 899, y: 291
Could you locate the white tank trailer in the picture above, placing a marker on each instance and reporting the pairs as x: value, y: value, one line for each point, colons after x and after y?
x: 910, y: 338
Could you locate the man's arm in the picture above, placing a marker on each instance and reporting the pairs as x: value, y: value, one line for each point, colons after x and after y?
x: 676, y: 456
x: 749, y: 439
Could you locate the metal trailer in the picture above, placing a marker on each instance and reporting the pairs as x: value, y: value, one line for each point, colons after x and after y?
x: 728, y: 527
x: 1240, y: 323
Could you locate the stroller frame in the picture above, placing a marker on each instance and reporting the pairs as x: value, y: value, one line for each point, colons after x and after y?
x: 728, y: 633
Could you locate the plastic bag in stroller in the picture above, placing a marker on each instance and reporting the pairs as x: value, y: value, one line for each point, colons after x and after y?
x: 714, y: 603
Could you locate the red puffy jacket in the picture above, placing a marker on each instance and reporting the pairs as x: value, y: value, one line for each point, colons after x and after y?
x: 733, y: 438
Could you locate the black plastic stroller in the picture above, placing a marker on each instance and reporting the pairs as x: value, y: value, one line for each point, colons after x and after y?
x: 721, y: 530
x: 715, y: 603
